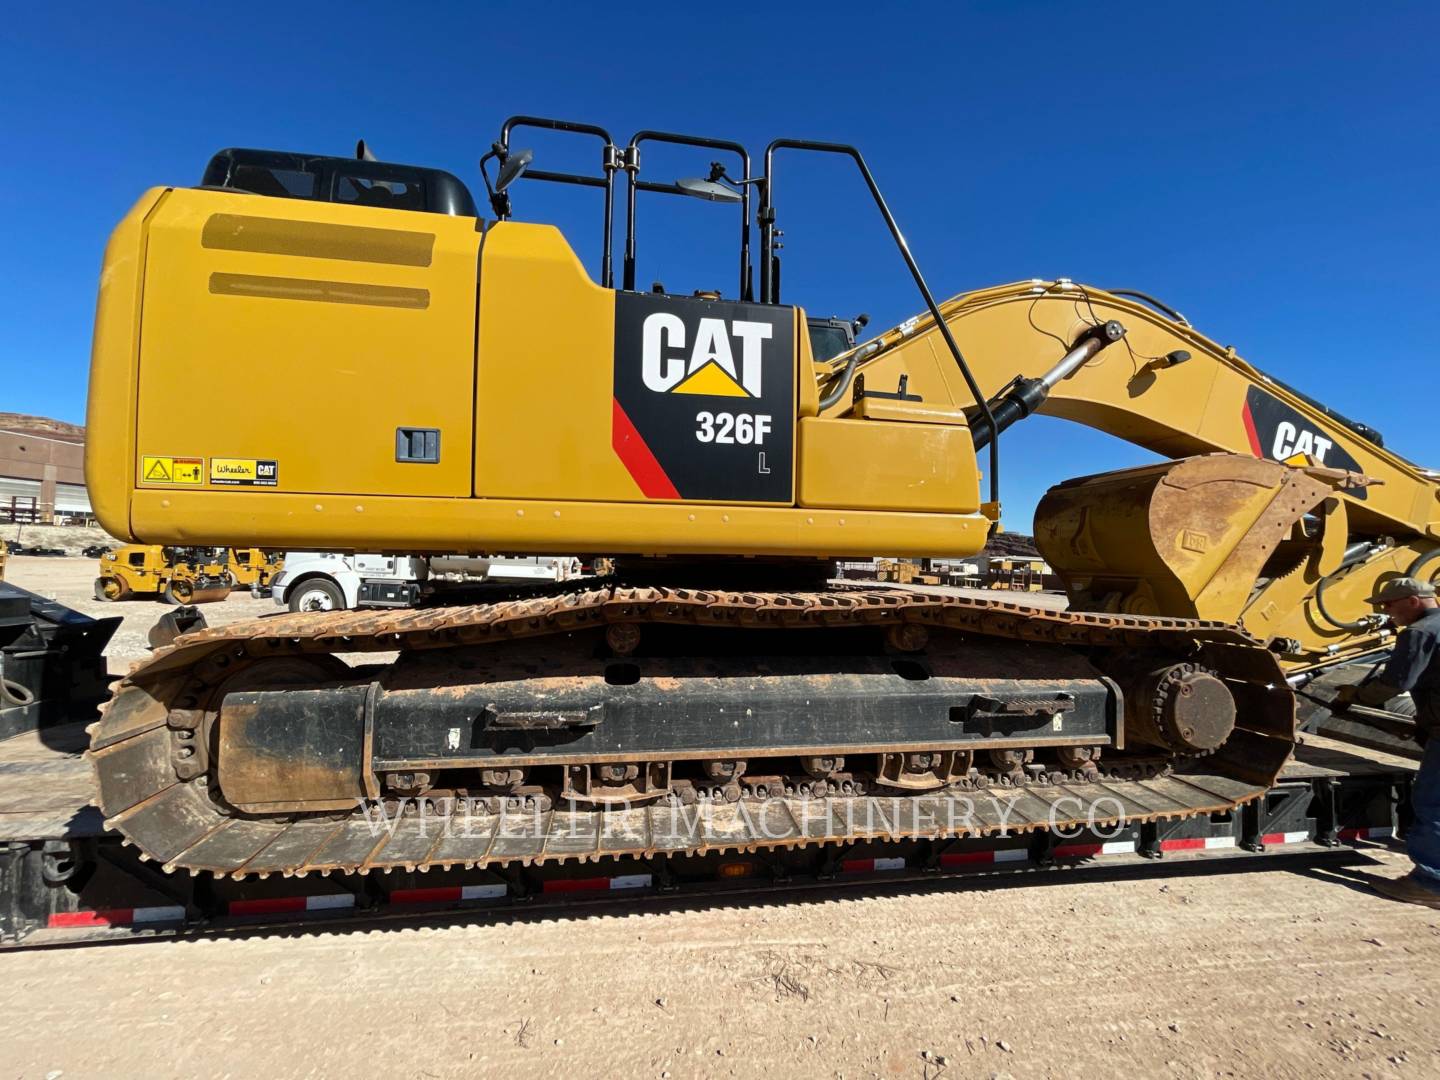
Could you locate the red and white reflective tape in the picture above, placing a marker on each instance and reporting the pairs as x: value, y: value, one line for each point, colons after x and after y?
x: 279, y: 905
x: 138, y: 916
x: 870, y: 866
x: 1085, y: 851
x: 1379, y: 832
x: 1272, y: 838
x: 970, y: 858
x: 599, y: 884
x: 449, y: 894
x: 1197, y: 843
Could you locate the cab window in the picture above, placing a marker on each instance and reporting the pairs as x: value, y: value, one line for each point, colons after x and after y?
x: 389, y: 194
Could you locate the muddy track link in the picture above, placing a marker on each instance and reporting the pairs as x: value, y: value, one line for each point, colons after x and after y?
x: 146, y: 792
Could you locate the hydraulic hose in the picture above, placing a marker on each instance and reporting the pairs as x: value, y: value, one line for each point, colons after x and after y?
x: 1353, y: 554
x: 1413, y: 570
x: 1146, y: 298
x: 848, y: 374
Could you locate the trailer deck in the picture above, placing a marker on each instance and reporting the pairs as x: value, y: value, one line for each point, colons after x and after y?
x: 65, y: 879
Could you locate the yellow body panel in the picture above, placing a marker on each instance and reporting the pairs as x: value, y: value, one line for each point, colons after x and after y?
x: 543, y: 396
x: 922, y: 467
x: 110, y: 458
x: 549, y: 527
x: 363, y: 320
x: 358, y: 321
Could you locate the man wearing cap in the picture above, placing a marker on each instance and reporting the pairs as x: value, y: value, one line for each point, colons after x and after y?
x: 1414, y: 666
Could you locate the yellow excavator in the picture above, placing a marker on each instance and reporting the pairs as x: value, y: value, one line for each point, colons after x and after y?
x: 468, y: 385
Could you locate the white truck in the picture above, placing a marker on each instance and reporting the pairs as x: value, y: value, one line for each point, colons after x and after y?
x: 334, y: 581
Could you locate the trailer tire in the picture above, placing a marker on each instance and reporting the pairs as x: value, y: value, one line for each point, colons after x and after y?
x: 316, y: 594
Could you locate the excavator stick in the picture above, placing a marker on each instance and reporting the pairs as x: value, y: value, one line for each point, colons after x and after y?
x: 1191, y: 537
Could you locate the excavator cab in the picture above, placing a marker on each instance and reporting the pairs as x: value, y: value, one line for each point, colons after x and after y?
x: 344, y: 180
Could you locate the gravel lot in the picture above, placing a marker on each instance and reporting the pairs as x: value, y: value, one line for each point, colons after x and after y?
x: 1225, y: 971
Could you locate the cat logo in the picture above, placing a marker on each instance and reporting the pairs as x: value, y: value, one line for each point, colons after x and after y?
x: 704, y: 402
x: 710, y: 366
x: 1281, y: 433
x: 1293, y: 445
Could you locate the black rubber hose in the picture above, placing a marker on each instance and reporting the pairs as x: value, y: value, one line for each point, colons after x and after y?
x: 1340, y: 624
x: 1414, y: 567
x: 843, y: 384
x: 863, y: 352
x: 1353, y: 554
x: 1165, y: 309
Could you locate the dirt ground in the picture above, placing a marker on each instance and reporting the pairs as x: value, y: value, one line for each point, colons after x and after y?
x: 71, y: 581
x: 1221, y: 971
x: 1275, y: 973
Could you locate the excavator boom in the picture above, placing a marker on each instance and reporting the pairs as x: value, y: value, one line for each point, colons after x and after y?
x: 1288, y: 550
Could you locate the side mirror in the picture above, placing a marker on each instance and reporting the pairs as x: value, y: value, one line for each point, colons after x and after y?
x: 514, y: 165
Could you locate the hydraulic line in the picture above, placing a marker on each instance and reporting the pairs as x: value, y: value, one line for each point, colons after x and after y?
x: 1354, y: 554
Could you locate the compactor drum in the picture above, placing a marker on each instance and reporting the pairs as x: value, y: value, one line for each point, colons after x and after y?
x: 716, y: 693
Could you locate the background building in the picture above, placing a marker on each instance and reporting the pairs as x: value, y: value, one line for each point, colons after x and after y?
x: 42, y: 469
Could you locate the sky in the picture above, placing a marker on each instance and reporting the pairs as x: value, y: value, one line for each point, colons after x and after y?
x: 1272, y: 170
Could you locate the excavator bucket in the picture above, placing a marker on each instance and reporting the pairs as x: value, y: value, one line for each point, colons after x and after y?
x: 1185, y: 538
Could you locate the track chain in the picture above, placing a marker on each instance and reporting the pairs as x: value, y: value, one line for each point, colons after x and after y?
x: 172, y: 819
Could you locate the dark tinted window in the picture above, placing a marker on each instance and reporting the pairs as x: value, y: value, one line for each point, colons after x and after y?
x: 278, y: 182
x: 390, y: 194
x: 828, y: 341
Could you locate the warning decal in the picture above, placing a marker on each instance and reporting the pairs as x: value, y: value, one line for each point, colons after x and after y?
x: 244, y: 472
x: 172, y: 470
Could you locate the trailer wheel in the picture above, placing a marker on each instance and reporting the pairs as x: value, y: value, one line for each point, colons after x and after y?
x: 111, y: 588
x: 317, y: 594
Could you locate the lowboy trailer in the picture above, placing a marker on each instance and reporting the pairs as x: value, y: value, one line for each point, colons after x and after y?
x: 65, y: 879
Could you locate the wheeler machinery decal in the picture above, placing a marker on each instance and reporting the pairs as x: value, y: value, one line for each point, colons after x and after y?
x: 244, y: 472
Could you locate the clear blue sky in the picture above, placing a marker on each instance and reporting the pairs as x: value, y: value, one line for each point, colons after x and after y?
x: 1271, y: 170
